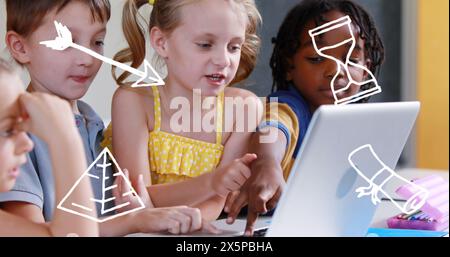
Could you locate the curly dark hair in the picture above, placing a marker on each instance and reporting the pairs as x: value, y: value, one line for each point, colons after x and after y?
x: 287, y: 40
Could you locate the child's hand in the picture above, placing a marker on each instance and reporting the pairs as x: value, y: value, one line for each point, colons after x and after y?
x: 46, y: 115
x: 231, y: 177
x: 175, y: 220
x: 261, y: 192
x: 123, y: 187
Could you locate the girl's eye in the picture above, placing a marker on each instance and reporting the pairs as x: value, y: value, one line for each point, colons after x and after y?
x: 235, y: 48
x: 8, y: 133
x: 315, y: 59
x: 99, y: 43
x: 354, y: 60
x: 204, y: 45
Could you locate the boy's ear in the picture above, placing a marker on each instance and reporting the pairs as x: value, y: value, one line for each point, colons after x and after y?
x: 158, y: 40
x: 288, y: 76
x: 17, y: 47
x: 289, y: 71
x: 368, y: 64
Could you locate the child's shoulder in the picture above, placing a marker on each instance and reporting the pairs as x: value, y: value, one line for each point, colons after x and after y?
x: 241, y: 97
x: 291, y: 96
x: 133, y: 102
x: 129, y: 95
x: 234, y: 92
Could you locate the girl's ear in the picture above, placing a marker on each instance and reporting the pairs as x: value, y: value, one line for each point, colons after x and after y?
x: 158, y: 40
x: 17, y: 47
x: 368, y: 65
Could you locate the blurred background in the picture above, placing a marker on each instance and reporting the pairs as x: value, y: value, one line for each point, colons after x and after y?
x: 416, y: 38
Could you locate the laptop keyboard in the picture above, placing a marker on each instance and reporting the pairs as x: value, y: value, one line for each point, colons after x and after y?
x: 260, y: 232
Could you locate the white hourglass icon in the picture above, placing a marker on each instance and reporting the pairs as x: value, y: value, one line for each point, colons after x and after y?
x: 374, y: 88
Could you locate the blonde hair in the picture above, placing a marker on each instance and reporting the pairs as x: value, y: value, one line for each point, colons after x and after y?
x: 166, y: 16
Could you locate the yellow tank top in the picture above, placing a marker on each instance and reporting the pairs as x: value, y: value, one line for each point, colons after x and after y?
x: 174, y: 158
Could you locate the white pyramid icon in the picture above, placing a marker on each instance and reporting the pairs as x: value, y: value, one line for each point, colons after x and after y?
x: 76, y: 208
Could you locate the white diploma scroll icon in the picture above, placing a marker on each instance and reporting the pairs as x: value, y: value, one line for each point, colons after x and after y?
x: 365, y: 161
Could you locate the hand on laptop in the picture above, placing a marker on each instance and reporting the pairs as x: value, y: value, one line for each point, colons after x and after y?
x: 260, y: 192
x: 173, y: 220
x: 121, y: 196
x: 231, y: 177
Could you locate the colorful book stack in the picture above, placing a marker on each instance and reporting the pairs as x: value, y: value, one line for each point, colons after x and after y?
x: 433, y: 215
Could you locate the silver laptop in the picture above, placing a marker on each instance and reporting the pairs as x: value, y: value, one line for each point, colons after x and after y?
x: 320, y: 197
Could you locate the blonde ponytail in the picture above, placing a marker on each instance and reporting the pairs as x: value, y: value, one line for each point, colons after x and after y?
x: 134, y: 34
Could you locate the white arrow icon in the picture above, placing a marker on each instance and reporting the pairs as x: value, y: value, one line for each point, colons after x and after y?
x: 64, y: 41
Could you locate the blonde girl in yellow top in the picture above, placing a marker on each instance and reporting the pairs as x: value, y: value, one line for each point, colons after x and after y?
x: 206, y: 45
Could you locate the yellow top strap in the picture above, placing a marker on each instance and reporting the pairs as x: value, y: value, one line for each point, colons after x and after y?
x: 219, y: 118
x: 157, y: 107
x: 151, y: 2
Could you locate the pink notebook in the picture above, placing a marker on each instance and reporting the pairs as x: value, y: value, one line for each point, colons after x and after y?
x: 433, y: 215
